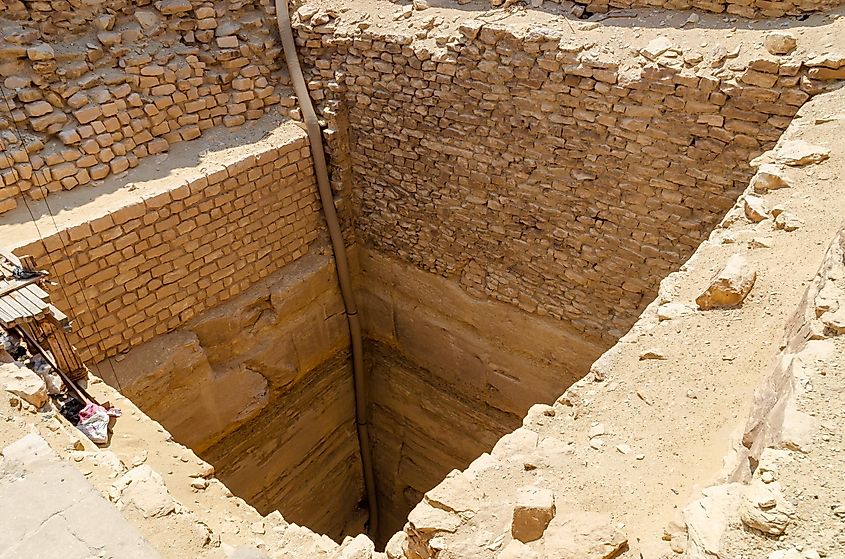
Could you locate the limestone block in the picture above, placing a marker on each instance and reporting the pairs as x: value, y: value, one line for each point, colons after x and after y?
x: 779, y: 42
x: 359, y: 547
x: 532, y: 512
x: 755, y: 208
x: 764, y: 508
x: 518, y: 550
x: 730, y: 286
x: 40, y: 52
x: 142, y: 488
x: 797, y: 153
x: 170, y: 7
x: 425, y: 519
x: 582, y: 535
x: 787, y: 222
x: 769, y: 177
x: 23, y: 383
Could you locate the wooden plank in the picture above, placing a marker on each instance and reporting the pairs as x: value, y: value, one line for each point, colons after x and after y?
x: 10, y: 314
x: 36, y: 288
x: 28, y: 294
x: 16, y: 310
x: 15, y: 285
x: 6, y: 318
x: 30, y: 307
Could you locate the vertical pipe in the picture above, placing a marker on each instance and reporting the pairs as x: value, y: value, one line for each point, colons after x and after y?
x: 315, y: 137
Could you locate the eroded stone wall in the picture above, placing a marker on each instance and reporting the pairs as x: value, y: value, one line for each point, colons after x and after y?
x: 744, y: 8
x: 261, y: 388
x: 132, y: 272
x: 448, y: 374
x: 92, y: 88
x: 539, y: 171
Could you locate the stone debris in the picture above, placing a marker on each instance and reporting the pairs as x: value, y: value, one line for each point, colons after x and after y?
x: 583, y: 535
x: 769, y: 177
x: 143, y: 489
x: 834, y: 321
x: 532, y: 512
x: 797, y: 153
x: 656, y: 47
x: 764, y: 508
x: 787, y: 222
x: 761, y: 242
x: 755, y: 208
x: 671, y: 311
x: 779, y: 42
x: 24, y: 383
x: 653, y: 353
x: 730, y: 286
x: 359, y: 547
x: 515, y: 549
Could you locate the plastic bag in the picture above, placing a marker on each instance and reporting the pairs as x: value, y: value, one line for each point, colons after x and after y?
x: 95, y: 425
x: 94, y: 422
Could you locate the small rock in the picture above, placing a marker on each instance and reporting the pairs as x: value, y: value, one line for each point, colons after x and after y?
x: 834, y: 322
x: 730, y: 286
x: 147, y: 19
x: 199, y: 483
x: 656, y: 47
x: 227, y: 42
x: 596, y: 430
x: 534, y: 509
x: 596, y: 443
x: 769, y: 177
x: 779, y: 42
x: 761, y: 242
x: 640, y: 456
x: 787, y: 222
x: 797, y: 153
x: 653, y: 353
x: 144, y: 489
x: 585, y: 535
x: 767, y: 477
x: 670, y: 311
x: 764, y: 508
x: 623, y: 448
x: 40, y: 52
x: 755, y: 208
x: 421, y: 5
x: 517, y: 550
x: 170, y: 7
x: 692, y: 19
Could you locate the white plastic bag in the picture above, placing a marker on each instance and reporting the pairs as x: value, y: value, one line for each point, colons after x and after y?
x: 95, y: 424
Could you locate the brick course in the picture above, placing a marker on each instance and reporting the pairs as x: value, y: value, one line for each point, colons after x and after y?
x: 149, y: 267
x: 538, y: 171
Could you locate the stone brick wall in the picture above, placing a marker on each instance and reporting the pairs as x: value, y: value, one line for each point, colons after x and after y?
x: 744, y: 8
x: 92, y: 88
x: 537, y: 170
x: 148, y: 267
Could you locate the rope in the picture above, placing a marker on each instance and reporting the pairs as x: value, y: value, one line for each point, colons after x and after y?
x: 44, y: 193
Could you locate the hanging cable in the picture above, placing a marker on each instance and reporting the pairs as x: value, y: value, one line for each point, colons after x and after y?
x: 341, y: 259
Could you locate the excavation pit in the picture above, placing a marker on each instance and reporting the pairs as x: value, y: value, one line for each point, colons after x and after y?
x: 511, y: 194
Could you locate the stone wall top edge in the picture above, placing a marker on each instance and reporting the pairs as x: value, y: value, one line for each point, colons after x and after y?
x: 19, y: 233
x: 577, y: 49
